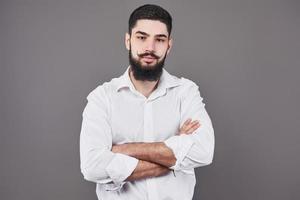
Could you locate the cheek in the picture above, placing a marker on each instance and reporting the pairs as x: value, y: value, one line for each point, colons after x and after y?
x: 134, y: 54
x: 135, y: 50
x: 162, y: 51
x: 136, y: 45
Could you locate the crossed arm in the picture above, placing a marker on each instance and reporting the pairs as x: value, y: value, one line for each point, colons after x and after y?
x: 155, y: 158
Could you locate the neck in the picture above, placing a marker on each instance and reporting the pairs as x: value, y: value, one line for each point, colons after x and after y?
x: 144, y: 87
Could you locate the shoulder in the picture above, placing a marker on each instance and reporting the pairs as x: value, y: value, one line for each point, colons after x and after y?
x: 187, y: 86
x: 185, y: 82
x: 182, y: 82
x: 104, y: 90
x: 189, y: 91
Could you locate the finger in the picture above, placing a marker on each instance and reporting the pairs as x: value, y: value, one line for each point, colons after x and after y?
x: 191, y: 124
x: 193, y: 128
x: 186, y: 122
x: 188, y: 126
x: 185, y: 125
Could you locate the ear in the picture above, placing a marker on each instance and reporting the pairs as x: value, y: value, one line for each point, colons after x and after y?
x: 127, y: 41
x: 170, y: 44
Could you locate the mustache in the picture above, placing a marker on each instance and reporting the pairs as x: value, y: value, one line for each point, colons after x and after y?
x: 148, y: 54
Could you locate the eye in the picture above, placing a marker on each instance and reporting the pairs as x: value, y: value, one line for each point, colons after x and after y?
x: 141, y: 37
x: 160, y: 40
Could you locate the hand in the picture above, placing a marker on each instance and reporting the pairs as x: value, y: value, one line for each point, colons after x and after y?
x: 118, y: 148
x: 123, y: 148
x: 189, y: 127
x: 115, y: 148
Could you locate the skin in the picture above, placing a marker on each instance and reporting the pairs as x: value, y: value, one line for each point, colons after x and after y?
x: 148, y: 36
x: 155, y: 158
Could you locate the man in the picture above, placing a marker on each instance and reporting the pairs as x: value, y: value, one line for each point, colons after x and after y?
x: 144, y: 132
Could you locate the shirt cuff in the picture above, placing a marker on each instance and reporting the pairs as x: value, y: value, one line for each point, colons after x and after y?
x: 119, y: 168
x: 180, y: 145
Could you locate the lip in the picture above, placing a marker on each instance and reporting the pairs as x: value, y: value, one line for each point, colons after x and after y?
x: 148, y: 58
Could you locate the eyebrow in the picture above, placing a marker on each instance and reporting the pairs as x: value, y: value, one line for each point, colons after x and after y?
x: 146, y: 34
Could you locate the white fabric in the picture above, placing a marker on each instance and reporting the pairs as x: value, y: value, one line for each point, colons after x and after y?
x: 117, y: 113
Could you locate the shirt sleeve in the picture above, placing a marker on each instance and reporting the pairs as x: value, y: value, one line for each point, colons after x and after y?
x: 196, y: 149
x: 97, y: 162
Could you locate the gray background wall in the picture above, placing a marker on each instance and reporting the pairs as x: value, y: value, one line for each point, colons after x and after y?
x: 243, y: 54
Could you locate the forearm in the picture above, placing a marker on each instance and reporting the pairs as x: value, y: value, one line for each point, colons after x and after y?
x: 147, y: 169
x: 155, y: 152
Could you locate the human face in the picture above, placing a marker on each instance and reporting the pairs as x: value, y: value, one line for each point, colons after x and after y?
x: 145, y: 74
x: 148, y: 45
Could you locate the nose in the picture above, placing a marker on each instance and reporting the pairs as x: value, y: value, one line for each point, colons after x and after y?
x: 150, y: 45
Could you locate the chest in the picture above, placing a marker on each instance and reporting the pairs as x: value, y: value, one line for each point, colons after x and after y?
x: 139, y: 120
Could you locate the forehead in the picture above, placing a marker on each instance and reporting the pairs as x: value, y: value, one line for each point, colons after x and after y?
x: 152, y: 27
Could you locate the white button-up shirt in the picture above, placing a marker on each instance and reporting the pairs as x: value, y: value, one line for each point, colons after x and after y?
x: 117, y: 113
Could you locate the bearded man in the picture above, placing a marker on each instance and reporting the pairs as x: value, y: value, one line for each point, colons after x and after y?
x: 144, y: 132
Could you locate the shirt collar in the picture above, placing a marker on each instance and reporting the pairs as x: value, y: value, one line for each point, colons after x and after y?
x: 166, y: 81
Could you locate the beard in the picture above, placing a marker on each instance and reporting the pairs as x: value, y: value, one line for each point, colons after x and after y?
x: 146, y: 73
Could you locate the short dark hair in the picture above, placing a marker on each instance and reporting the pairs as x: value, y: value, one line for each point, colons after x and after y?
x: 152, y: 12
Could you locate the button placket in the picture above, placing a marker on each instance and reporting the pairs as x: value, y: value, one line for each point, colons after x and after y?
x: 148, y: 137
x: 148, y: 122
